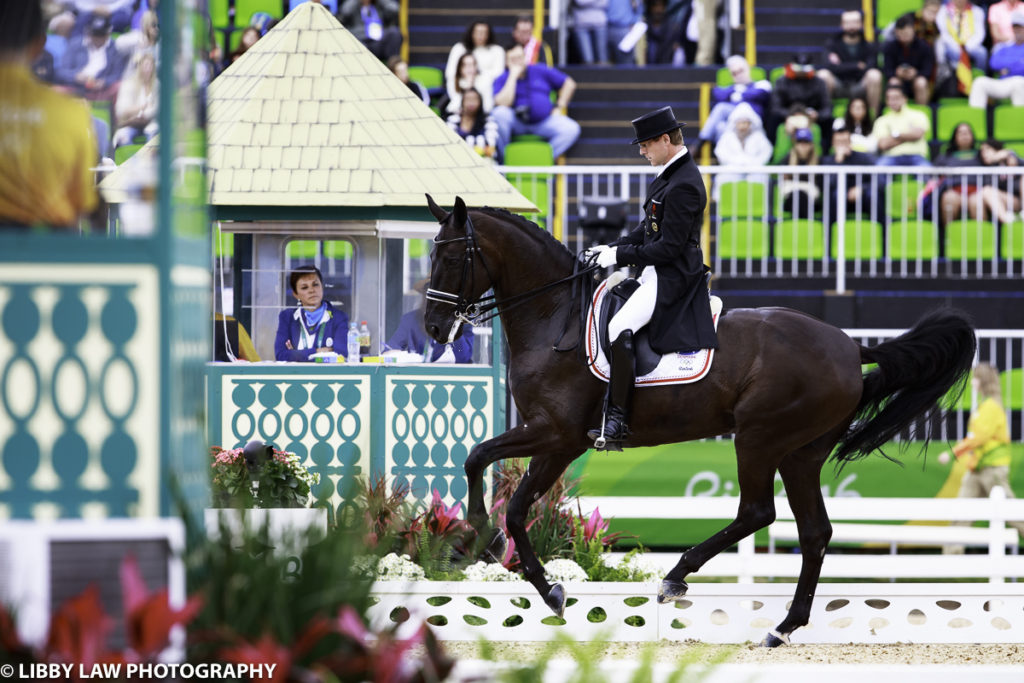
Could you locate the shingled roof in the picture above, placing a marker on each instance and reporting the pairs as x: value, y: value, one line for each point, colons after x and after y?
x: 308, y: 117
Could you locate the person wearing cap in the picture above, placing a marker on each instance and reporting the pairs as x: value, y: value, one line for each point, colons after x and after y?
x: 901, y: 132
x: 672, y: 299
x: 799, y: 98
x: 92, y: 65
x: 46, y: 149
x: 1008, y: 62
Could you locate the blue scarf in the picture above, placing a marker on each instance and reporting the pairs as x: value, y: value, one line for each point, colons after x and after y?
x: 313, y: 317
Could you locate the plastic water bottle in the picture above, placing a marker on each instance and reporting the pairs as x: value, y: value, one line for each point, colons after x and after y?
x: 353, y: 343
x: 364, y: 339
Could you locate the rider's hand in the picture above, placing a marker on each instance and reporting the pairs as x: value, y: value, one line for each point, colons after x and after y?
x: 593, y: 252
x: 607, y: 257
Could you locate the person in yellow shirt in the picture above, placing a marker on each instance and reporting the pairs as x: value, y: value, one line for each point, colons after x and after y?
x: 986, y: 449
x: 47, y: 148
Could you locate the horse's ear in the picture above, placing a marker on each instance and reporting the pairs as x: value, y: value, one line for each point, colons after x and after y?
x: 439, y: 213
x: 459, y: 211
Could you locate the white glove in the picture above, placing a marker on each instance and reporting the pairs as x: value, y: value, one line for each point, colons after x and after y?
x: 594, y: 251
x: 607, y: 257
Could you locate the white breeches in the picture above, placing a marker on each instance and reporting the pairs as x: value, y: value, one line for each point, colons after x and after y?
x: 639, y: 308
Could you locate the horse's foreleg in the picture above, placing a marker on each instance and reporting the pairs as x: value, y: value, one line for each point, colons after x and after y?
x: 544, y: 470
x: 803, y: 489
x: 756, y: 510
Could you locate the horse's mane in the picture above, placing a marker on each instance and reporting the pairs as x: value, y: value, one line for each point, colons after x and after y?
x: 530, y: 228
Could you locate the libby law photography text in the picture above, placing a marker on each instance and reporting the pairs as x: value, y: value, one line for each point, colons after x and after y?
x: 105, y: 671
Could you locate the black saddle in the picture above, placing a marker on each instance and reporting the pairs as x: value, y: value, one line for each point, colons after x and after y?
x: 646, y: 358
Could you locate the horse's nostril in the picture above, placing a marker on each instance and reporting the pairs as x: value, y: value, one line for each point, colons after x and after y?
x: 433, y: 331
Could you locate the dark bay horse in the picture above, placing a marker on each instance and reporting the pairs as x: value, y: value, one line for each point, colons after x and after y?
x: 789, y: 386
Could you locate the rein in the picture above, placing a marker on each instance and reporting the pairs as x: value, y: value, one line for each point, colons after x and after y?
x: 472, y: 312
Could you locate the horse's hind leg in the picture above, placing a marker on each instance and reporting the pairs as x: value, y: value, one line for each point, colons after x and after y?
x: 801, y: 474
x: 756, y: 474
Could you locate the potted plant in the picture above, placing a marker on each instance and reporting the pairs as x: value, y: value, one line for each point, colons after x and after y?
x: 263, y: 487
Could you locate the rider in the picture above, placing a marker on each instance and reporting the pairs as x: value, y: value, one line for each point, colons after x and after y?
x: 673, y: 295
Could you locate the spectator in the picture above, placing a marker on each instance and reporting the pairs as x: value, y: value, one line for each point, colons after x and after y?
x: 92, y: 66
x: 400, y: 69
x: 522, y: 98
x: 743, y: 144
x: 665, y: 29
x: 961, y: 34
x: 411, y: 337
x: 800, y: 98
x: 490, y: 58
x: 924, y: 22
x: 851, y: 61
x: 1008, y: 63
x: 623, y: 15
x: 1000, y: 24
x: 59, y: 35
x: 590, y: 29
x: 535, y: 50
x: 800, y: 194
x: 954, y: 191
x: 314, y: 326
x: 1000, y: 195
x: 375, y: 24
x: 705, y: 19
x: 859, y: 122
x: 468, y: 77
x: 117, y: 12
x: 137, y: 101
x: 473, y: 124
x: 909, y: 60
x: 901, y: 132
x: 863, y: 191
x: 143, y: 7
x: 47, y: 144
x: 986, y: 448
x: 250, y: 35
x: 726, y: 98
x: 145, y: 37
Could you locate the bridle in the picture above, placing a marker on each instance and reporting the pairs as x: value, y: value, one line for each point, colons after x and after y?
x: 472, y: 311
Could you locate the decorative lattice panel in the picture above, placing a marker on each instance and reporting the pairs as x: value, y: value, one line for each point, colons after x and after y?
x: 79, y: 390
x: 713, y: 613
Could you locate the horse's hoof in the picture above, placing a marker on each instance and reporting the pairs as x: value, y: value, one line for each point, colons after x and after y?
x: 774, y: 639
x: 670, y: 591
x: 494, y: 553
x: 555, y: 599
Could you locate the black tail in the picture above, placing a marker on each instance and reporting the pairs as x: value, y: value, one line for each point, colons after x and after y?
x: 915, y: 370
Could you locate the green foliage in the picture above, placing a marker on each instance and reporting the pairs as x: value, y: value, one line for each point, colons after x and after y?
x: 279, y: 482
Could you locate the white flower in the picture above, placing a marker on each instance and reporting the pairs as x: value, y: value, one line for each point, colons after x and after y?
x: 365, y: 565
x: 484, y: 571
x: 640, y: 568
x: 564, y: 570
x: 394, y: 568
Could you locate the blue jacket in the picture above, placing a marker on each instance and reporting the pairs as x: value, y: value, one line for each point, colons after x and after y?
x: 76, y: 56
x: 410, y: 336
x: 332, y: 331
x: 758, y: 95
x: 1008, y: 61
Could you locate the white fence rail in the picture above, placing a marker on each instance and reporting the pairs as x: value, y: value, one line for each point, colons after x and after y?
x: 895, y: 227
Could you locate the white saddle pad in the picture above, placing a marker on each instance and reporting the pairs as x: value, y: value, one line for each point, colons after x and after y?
x: 674, y: 368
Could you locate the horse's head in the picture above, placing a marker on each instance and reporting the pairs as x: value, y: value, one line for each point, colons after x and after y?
x: 458, y: 273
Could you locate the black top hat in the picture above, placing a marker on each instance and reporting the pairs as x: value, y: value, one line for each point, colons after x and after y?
x: 655, y: 124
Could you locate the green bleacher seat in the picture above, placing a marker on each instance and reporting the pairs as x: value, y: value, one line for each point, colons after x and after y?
x: 901, y: 197
x: 1017, y: 147
x: 528, y: 153
x: 1012, y: 240
x: 124, y: 152
x: 219, y: 16
x: 948, y: 116
x: 801, y: 238
x: 913, y: 239
x: 724, y: 78
x: 1007, y: 122
x: 223, y: 243
x: 244, y: 9
x: 862, y: 239
x: 338, y: 249
x: 101, y: 110
x: 839, y: 105
x: 427, y: 76
x: 891, y: 10
x: 742, y: 199
x: 742, y: 239
x: 776, y: 73
x: 527, y: 137
x: 535, y: 187
x: 970, y: 239
x: 1012, y: 384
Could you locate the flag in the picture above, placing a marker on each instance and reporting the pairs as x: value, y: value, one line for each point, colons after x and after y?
x: 964, y: 75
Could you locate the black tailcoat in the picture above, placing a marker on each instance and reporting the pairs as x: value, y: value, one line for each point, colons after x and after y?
x: 668, y: 238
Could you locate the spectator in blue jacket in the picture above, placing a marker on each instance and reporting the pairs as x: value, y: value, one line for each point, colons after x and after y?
x: 522, y: 99
x: 314, y: 326
x: 725, y: 98
x: 92, y: 65
x: 411, y: 336
x: 1008, y: 62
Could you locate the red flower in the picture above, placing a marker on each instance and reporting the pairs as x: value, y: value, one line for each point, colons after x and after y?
x: 149, y: 617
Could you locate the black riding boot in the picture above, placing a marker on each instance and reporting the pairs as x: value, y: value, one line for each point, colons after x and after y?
x: 619, y: 397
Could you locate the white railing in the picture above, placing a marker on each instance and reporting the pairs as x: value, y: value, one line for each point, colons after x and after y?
x: 894, y: 229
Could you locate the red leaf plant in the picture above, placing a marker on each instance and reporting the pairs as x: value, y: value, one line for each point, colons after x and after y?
x: 149, y: 617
